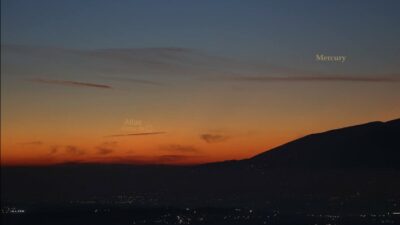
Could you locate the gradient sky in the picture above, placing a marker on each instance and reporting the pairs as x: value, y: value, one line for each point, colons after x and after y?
x: 181, y: 82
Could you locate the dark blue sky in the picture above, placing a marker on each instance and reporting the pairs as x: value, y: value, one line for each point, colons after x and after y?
x: 278, y: 32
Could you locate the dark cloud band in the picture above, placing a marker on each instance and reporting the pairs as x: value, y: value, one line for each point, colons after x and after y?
x: 135, y: 134
x: 313, y: 79
x: 70, y: 83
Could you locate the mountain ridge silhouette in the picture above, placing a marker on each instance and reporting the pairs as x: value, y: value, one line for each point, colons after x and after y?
x: 362, y: 158
x: 373, y: 144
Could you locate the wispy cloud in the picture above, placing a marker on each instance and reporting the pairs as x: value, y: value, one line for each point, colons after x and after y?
x: 104, y: 151
x: 106, y: 147
x: 32, y: 143
x: 147, y: 66
x: 213, y: 138
x: 136, y: 134
x: 53, y: 150
x: 172, y: 158
x: 68, y: 149
x: 319, y: 78
x: 130, y: 61
x: 143, y: 159
x: 179, y: 148
x: 69, y: 83
x: 74, y: 150
x: 134, y: 80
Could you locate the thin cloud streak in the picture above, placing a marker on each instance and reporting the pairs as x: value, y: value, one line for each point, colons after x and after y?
x: 313, y: 79
x: 68, y: 149
x: 179, y: 148
x: 74, y: 150
x: 147, y: 160
x: 104, y: 151
x: 32, y: 143
x: 134, y: 80
x: 213, y: 138
x: 179, y: 62
x: 70, y: 83
x: 106, y: 148
x: 136, y: 134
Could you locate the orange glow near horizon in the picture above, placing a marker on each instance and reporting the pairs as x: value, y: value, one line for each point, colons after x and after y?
x: 146, y: 149
x: 142, y: 149
x: 167, y: 113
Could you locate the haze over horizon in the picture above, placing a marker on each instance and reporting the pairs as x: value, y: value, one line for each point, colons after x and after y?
x: 187, y: 83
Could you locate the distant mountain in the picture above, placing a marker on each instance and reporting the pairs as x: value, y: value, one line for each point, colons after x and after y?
x: 371, y: 145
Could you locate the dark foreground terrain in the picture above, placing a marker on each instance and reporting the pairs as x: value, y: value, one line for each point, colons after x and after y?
x: 344, y: 176
x: 108, y: 215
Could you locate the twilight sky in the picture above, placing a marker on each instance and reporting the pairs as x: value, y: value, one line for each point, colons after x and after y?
x: 181, y: 82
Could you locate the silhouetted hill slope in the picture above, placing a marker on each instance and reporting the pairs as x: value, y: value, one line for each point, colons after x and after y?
x: 360, y: 159
x: 371, y: 145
